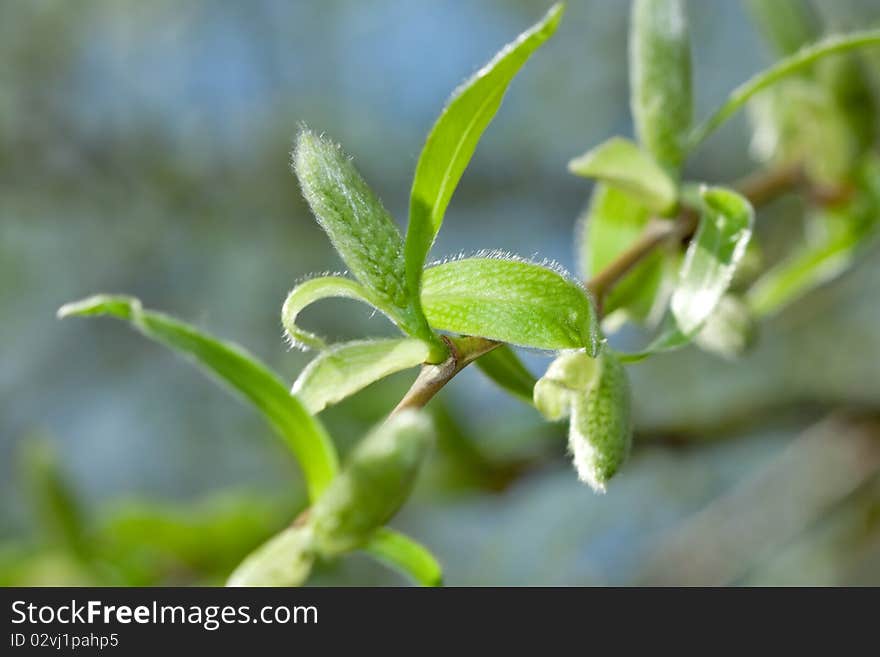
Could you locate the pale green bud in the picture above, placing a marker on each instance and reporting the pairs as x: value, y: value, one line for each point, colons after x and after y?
x: 374, y: 484
x: 284, y: 560
x: 600, y: 435
x: 660, y: 78
x: 595, y: 394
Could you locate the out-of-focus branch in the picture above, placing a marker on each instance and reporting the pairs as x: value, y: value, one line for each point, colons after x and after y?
x: 722, y: 542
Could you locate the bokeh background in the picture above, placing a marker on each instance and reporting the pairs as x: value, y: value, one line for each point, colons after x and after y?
x: 144, y: 149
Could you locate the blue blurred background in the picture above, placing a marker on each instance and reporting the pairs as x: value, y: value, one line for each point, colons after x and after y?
x: 144, y: 149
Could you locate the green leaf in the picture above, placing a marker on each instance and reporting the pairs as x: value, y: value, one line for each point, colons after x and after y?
x: 802, y: 59
x: 611, y: 223
x: 625, y: 166
x: 405, y: 555
x: 799, y: 121
x: 230, y: 363
x: 454, y: 137
x: 595, y: 394
x: 504, y: 367
x: 284, y: 560
x: 375, y: 482
x: 839, y: 236
x: 787, y: 24
x: 511, y: 301
x: 315, y: 289
x: 711, y: 258
x: 344, y: 369
x: 359, y: 227
x: 660, y: 79
x: 56, y: 507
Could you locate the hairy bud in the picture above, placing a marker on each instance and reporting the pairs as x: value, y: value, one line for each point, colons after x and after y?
x: 374, y: 484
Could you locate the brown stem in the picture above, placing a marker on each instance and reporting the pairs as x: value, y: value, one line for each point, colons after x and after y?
x: 431, y: 378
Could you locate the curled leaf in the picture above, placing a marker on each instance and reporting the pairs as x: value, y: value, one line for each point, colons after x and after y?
x: 315, y: 289
x: 344, y: 369
x: 712, y: 257
x: 454, y: 137
x: 660, y: 78
x: 303, y: 433
x: 510, y: 301
x: 624, y: 166
x: 373, y: 485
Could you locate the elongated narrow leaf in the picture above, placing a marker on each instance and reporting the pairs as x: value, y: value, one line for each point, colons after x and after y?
x: 625, y: 166
x: 660, y: 78
x: 797, y: 62
x: 454, y: 137
x: 315, y: 289
x: 344, y: 369
x: 359, y: 227
x: 405, y: 555
x: 373, y: 485
x: 511, y: 301
x: 55, y: 506
x: 303, y: 433
x: 715, y: 251
x: 610, y: 225
x: 284, y: 560
x: 504, y: 367
x: 814, y: 264
x: 787, y: 24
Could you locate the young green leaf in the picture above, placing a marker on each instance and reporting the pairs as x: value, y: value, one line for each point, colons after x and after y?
x: 711, y: 258
x: 660, y: 79
x: 611, y: 223
x: 454, y: 137
x: 504, y: 367
x: 303, y: 433
x: 373, y: 485
x: 284, y: 560
x: 511, y: 301
x: 787, y: 24
x: 359, y: 227
x: 344, y: 369
x: 838, y: 236
x: 802, y: 59
x: 624, y: 166
x: 595, y: 394
x: 57, y: 510
x: 405, y: 555
x: 324, y: 287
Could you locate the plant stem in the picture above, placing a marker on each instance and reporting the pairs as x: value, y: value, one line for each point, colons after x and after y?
x: 759, y: 188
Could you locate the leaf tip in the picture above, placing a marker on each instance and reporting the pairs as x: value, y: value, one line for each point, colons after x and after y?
x: 100, y: 304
